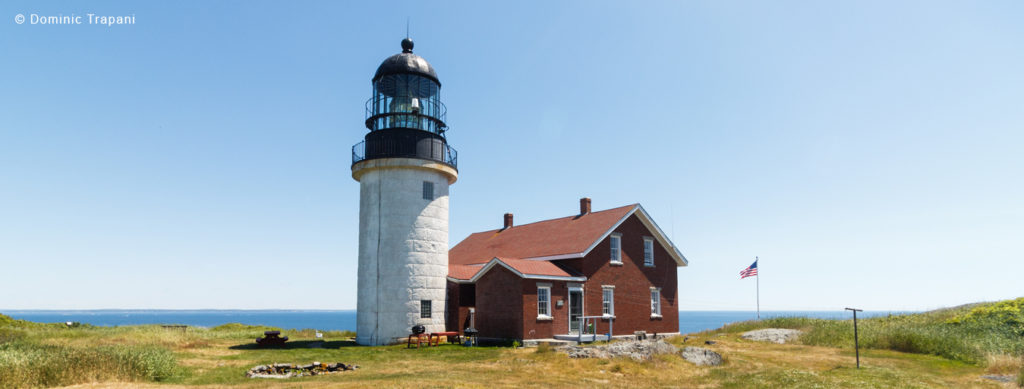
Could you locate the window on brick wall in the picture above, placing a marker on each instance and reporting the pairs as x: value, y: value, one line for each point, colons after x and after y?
x: 608, y: 300
x: 649, y: 251
x: 616, y: 248
x: 425, y: 309
x: 655, y: 301
x: 544, y: 301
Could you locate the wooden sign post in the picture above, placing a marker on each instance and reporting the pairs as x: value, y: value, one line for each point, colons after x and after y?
x: 856, y: 343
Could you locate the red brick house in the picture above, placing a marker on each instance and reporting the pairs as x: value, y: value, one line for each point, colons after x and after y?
x: 535, y: 281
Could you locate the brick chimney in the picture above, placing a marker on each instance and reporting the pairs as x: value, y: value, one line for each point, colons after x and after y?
x: 584, y: 205
x: 508, y: 220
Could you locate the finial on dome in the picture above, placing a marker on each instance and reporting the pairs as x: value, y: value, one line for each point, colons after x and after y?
x: 406, y: 45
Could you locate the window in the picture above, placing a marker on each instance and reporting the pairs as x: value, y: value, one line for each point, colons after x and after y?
x: 428, y: 190
x: 544, y: 301
x: 424, y: 309
x: 616, y: 248
x: 648, y: 251
x: 608, y: 300
x: 656, y: 302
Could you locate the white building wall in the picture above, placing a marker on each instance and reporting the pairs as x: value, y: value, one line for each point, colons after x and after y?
x: 403, y: 253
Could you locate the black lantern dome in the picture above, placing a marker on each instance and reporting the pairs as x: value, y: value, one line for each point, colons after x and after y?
x: 406, y: 63
x: 405, y: 116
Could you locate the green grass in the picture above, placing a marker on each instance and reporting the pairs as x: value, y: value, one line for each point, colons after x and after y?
x: 26, y: 364
x: 946, y: 348
x: 968, y: 333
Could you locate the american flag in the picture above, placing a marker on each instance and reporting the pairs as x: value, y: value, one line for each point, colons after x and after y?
x: 749, y: 272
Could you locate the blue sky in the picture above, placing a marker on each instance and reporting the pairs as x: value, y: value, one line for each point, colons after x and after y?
x: 868, y: 152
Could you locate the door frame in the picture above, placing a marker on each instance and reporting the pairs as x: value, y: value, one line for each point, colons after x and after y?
x: 572, y: 288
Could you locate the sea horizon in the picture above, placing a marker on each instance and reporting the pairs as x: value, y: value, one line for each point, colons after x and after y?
x: 345, y: 319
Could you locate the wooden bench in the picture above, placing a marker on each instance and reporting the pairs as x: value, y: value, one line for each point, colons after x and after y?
x: 435, y: 337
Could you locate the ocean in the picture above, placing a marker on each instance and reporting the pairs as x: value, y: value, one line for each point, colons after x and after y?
x: 689, y: 321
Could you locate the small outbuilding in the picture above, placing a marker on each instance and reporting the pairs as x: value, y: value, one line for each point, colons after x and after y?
x: 614, y: 270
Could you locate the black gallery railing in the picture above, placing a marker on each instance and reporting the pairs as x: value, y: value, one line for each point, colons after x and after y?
x: 432, y: 149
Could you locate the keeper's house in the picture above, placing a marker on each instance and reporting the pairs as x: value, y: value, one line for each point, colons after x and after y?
x: 611, y: 270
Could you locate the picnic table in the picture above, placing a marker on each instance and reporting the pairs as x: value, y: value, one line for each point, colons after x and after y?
x: 271, y: 338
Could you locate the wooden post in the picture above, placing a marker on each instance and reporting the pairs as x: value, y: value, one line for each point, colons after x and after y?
x: 856, y: 342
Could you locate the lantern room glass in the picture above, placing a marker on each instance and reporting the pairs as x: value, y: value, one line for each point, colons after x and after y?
x: 406, y: 101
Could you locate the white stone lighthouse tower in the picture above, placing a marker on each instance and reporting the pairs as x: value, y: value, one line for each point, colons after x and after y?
x: 404, y: 167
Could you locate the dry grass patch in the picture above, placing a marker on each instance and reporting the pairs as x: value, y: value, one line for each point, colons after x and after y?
x: 1003, y: 364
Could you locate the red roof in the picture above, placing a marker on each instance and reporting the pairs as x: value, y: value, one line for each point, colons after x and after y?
x: 537, y: 268
x: 463, y: 272
x: 524, y: 267
x: 562, y: 236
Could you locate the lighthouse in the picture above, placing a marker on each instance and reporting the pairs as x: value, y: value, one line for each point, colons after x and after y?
x: 404, y: 166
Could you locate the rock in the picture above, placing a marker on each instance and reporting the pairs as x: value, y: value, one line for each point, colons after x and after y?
x: 776, y: 335
x: 638, y: 350
x: 1000, y: 378
x: 701, y: 356
x: 709, y: 342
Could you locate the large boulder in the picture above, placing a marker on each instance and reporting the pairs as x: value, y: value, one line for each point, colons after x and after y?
x: 775, y: 335
x: 701, y: 356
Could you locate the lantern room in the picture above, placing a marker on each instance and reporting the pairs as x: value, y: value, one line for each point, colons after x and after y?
x: 405, y: 115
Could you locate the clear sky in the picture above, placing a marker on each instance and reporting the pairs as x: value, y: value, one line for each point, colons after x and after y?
x: 870, y: 153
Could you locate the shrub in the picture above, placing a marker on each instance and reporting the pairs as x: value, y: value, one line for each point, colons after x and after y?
x: 241, y: 327
x: 10, y: 334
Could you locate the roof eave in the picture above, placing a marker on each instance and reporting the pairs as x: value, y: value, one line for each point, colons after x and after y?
x: 496, y: 261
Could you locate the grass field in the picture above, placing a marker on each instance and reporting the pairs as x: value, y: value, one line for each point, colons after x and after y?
x: 905, y: 351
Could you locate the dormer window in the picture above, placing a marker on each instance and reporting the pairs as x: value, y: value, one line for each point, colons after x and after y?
x: 616, y: 248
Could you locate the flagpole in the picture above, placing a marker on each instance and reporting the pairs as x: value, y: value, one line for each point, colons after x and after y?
x: 758, y: 288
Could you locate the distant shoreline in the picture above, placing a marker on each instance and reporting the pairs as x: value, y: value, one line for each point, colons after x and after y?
x: 345, y: 320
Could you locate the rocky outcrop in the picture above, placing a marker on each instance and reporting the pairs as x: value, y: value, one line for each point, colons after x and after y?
x: 775, y: 335
x: 701, y: 356
x: 638, y: 350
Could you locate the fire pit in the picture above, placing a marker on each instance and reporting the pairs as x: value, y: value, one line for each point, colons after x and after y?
x: 286, y: 370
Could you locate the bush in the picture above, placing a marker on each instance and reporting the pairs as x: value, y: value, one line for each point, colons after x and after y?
x: 241, y: 327
x: 10, y: 334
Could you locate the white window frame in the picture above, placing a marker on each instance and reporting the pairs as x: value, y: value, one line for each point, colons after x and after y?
x: 648, y: 251
x: 655, y: 302
x: 616, y: 252
x: 608, y: 305
x: 547, y: 314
